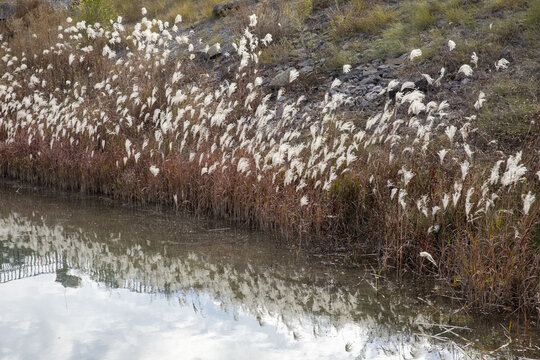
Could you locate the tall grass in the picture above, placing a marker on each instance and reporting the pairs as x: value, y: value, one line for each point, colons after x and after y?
x: 356, y: 17
x: 134, y: 114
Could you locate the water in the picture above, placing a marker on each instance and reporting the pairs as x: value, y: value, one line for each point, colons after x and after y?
x: 83, y: 278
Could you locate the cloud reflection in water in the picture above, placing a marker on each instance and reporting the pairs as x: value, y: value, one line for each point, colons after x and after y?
x: 106, y: 292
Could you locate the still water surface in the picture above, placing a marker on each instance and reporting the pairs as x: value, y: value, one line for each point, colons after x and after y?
x: 81, y: 278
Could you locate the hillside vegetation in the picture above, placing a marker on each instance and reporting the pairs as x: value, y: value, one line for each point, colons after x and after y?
x: 438, y: 175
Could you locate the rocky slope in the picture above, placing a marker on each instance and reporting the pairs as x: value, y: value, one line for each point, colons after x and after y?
x: 317, y: 50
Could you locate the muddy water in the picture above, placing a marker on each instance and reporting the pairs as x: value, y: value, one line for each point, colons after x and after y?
x: 82, y: 278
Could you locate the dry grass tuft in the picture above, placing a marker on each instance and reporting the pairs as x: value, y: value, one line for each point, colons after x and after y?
x: 356, y: 17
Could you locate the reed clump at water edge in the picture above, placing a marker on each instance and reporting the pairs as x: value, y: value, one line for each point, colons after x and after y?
x: 131, y: 113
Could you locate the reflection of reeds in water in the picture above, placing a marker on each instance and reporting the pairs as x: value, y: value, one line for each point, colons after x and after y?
x: 132, y: 113
x: 249, y: 288
x: 279, y: 296
x: 278, y: 293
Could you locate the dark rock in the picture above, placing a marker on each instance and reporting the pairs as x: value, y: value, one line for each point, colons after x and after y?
x: 6, y: 10
x: 372, y: 95
x: 369, y: 71
x: 369, y: 80
x: 224, y: 7
x: 317, y: 23
x: 507, y: 53
x: 282, y: 79
x: 385, y: 67
x: 348, y: 45
x: 214, y: 51
x: 364, y: 103
x: 421, y: 84
x: 305, y: 63
x: 396, y: 61
x: 306, y: 70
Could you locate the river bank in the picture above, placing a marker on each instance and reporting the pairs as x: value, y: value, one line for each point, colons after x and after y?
x: 136, y: 112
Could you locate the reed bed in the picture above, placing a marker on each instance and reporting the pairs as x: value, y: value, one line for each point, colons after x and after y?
x: 132, y: 113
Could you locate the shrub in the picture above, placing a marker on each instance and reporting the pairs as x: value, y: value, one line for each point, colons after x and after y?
x: 96, y: 11
x: 355, y: 17
x: 33, y: 23
x: 393, y: 42
x: 511, y: 107
x: 458, y: 13
x: 339, y: 57
x: 25, y: 7
x: 303, y: 9
x: 497, y: 5
x: 505, y: 31
x: 279, y: 52
x: 421, y: 15
x: 278, y: 18
x: 533, y: 14
x: 374, y: 20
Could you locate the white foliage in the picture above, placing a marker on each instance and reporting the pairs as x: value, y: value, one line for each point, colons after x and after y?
x: 465, y: 70
x: 426, y: 255
x: 154, y: 170
x: 414, y: 54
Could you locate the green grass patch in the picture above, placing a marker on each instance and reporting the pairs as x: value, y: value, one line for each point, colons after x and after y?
x: 277, y: 53
x: 96, y: 11
x: 422, y: 15
x: 393, y: 42
x: 339, y: 57
x: 510, y: 107
x: 532, y: 16
x: 356, y: 17
x: 191, y: 11
x: 498, y: 5
x: 458, y: 13
x: 376, y: 19
x: 505, y: 31
x: 303, y: 9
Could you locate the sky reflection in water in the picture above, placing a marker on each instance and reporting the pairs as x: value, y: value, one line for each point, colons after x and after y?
x: 80, y: 280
